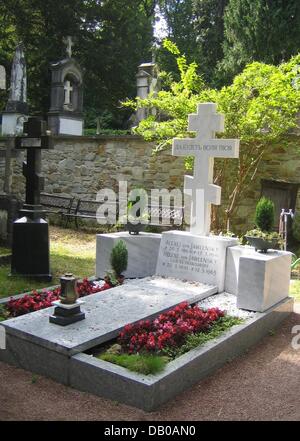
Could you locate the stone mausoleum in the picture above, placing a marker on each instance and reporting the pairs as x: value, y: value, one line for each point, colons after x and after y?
x: 65, y: 114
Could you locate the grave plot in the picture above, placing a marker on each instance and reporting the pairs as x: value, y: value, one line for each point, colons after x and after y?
x: 148, y: 392
x: 32, y: 342
x: 62, y: 353
x: 190, y: 266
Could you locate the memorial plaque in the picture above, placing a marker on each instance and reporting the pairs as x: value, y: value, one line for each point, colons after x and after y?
x: 196, y: 258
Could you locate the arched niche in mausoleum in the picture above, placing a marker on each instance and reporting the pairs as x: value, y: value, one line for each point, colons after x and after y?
x: 65, y: 114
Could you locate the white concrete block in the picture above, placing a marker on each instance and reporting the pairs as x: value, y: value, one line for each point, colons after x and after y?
x: 232, y: 266
x: 263, y: 280
x: 142, y: 253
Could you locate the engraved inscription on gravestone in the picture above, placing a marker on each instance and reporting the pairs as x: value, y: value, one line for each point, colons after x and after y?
x: 187, y: 256
x: 191, y: 257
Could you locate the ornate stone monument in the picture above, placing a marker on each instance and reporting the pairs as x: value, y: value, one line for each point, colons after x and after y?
x: 147, y: 82
x: 30, y: 243
x: 16, y: 110
x: 65, y: 114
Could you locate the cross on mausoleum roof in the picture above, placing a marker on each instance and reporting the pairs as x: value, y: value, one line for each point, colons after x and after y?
x: 69, y: 43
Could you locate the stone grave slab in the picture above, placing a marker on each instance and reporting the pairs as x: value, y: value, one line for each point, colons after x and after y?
x: 142, y: 253
x: 106, y: 314
x: 191, y: 257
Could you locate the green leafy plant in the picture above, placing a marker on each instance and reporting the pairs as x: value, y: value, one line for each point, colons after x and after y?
x: 256, y: 232
x: 264, y: 219
x: 147, y: 363
x: 295, y: 261
x: 264, y: 214
x: 4, y: 313
x: 195, y: 340
x: 119, y: 258
x: 142, y: 363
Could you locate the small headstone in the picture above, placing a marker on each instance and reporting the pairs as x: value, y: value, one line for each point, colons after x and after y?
x: 2, y: 78
x: 147, y: 82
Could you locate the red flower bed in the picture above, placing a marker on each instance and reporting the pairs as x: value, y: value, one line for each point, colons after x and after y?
x: 36, y: 301
x: 169, y: 329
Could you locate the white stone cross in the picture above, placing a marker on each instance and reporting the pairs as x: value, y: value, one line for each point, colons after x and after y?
x: 69, y: 42
x: 204, y: 147
x: 68, y: 92
x: 2, y: 78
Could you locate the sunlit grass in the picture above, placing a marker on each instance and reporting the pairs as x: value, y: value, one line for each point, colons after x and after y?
x: 143, y: 363
x: 70, y: 251
x: 295, y: 290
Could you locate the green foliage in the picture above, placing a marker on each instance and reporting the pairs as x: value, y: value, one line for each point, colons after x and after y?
x: 146, y: 364
x: 34, y: 379
x: 259, y: 30
x: 268, y: 236
x: 4, y: 251
x: 106, y: 132
x: 64, y: 255
x: 152, y: 364
x: 195, y: 340
x: 274, y: 238
x: 264, y: 214
x: 295, y: 262
x: 296, y: 227
x: 197, y: 29
x: 209, y: 27
x: 295, y: 290
x: 259, y: 107
x: 103, y: 32
x: 119, y: 257
x: 3, y: 313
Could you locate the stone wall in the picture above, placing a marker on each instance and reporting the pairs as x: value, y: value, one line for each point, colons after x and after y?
x: 81, y: 166
x: 281, y: 162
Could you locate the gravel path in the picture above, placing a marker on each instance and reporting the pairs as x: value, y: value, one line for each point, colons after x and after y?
x: 263, y: 384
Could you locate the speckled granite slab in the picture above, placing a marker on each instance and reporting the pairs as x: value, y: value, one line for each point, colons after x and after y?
x: 106, y: 313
